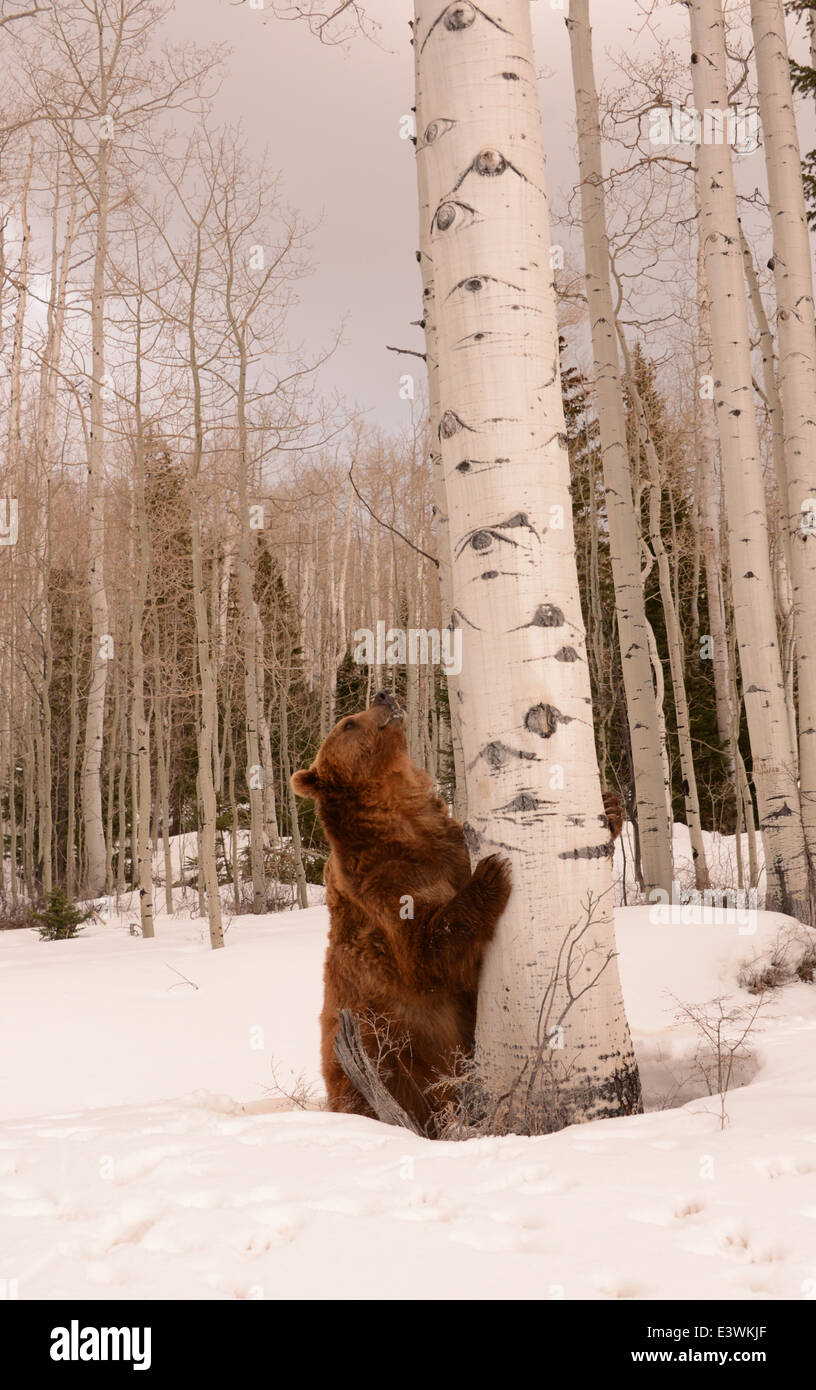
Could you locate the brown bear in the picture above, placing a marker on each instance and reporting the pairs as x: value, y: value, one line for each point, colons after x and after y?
x: 409, y: 922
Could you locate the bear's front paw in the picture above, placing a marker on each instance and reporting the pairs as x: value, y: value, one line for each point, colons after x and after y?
x: 494, y: 880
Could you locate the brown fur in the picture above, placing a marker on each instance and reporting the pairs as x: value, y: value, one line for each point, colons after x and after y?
x: 615, y: 814
x: 412, y: 980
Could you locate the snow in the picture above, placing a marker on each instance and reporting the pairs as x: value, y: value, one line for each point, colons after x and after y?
x: 147, y: 1151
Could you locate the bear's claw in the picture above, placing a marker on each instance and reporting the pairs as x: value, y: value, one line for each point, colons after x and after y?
x: 494, y: 878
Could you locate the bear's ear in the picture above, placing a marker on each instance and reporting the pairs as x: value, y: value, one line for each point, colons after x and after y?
x: 305, y: 782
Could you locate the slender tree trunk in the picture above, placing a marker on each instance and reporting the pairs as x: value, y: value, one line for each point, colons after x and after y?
x: 781, y: 547
x: 793, y: 279
x: 773, y: 758
x: 656, y: 849
x: 249, y: 615
x: 207, y: 862
x: 711, y: 521
x: 441, y: 519
x: 100, y: 639
x: 73, y: 743
x: 673, y: 635
x: 547, y: 1053
x: 161, y: 766
x: 142, y: 871
x: 297, y: 846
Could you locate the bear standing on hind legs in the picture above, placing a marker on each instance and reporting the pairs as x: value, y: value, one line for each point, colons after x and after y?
x: 409, y: 922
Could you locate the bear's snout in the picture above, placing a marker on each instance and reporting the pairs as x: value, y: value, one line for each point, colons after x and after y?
x: 386, y: 701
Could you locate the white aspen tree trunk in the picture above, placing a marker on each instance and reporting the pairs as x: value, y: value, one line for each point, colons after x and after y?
x: 95, y: 707
x: 217, y: 766
x: 781, y: 546
x: 209, y: 896
x: 142, y: 870
x: 163, y: 790
x: 660, y: 698
x: 208, y: 891
x: 29, y: 800
x: 254, y: 770
x: 73, y: 743
x: 16, y: 366
x: 711, y: 520
x: 552, y: 1042
x: 656, y: 849
x: 326, y: 660
x: 297, y: 847
x: 124, y: 759
x: 673, y: 636
x: 696, y: 563
x: 233, y: 802
x: 46, y: 819
x: 441, y: 519
x: 793, y: 280
x: 773, y: 758
x: 112, y: 763
x: 270, y: 815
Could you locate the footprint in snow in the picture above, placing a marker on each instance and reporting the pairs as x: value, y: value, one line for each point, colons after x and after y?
x: 783, y: 1166
x: 128, y: 1167
x: 680, y: 1210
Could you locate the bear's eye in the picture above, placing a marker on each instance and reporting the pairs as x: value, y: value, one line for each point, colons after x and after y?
x: 349, y: 724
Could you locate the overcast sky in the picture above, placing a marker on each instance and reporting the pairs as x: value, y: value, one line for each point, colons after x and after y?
x: 331, y: 121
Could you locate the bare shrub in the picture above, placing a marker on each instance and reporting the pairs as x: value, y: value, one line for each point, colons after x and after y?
x: 15, y: 916
x: 723, y: 1028
x: 792, y: 957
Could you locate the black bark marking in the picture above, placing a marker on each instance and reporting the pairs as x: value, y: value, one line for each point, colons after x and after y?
x: 460, y: 16
x: 525, y: 801
x: 473, y: 838
x: 475, y: 283
x: 450, y: 424
x: 481, y: 540
x: 544, y: 720
x: 567, y: 654
x: 479, y: 465
x: 604, y: 851
x: 459, y: 616
x: 491, y: 164
x: 547, y: 615
x: 450, y: 212
x: 436, y: 129
x: 497, y: 755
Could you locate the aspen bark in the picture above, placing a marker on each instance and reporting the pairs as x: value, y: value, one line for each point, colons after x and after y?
x: 793, y: 279
x: 781, y: 548
x: 73, y: 743
x: 773, y: 757
x: 548, y: 1050
x: 656, y: 849
x: 163, y: 791
x: 209, y: 895
x: 710, y: 518
x: 142, y: 867
x: 673, y: 635
x: 95, y: 707
x: 441, y: 519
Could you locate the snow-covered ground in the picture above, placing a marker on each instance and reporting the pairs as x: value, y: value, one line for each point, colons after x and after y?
x: 147, y: 1147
